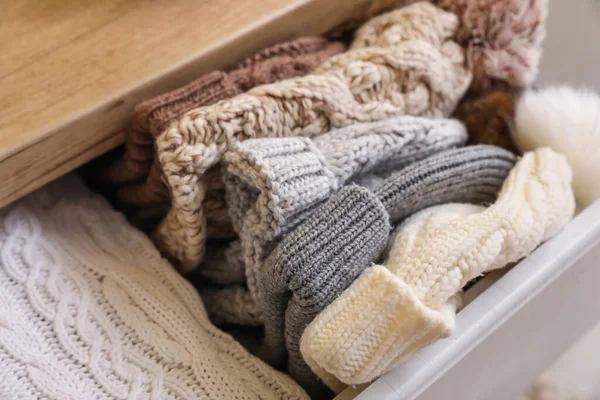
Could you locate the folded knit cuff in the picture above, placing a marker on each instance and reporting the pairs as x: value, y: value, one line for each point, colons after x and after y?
x: 320, y: 258
x: 339, y: 344
x: 315, y: 263
x: 279, y: 177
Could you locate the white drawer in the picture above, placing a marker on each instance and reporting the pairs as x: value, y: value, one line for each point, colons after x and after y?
x: 510, y: 332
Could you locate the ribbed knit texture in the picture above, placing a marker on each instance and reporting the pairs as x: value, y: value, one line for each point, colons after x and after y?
x: 400, y: 63
x: 138, y: 171
x: 392, y: 311
x: 89, y: 310
x: 274, y: 184
x: 320, y: 258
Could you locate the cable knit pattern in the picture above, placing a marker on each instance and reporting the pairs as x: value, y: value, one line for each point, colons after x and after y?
x: 392, y: 311
x: 319, y: 259
x: 423, y: 75
x: 138, y: 171
x: 89, y: 310
x: 503, y: 39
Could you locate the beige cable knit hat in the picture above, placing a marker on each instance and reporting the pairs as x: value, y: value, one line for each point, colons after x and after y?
x: 392, y: 311
x: 400, y: 63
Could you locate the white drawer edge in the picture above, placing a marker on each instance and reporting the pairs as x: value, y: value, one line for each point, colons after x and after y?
x: 511, y: 294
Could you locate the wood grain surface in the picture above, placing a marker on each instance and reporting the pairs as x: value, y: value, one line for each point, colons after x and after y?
x: 71, y: 71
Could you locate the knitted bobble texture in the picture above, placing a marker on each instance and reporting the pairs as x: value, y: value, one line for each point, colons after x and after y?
x: 312, y: 265
x: 422, y: 77
x: 390, y: 312
x: 90, y: 310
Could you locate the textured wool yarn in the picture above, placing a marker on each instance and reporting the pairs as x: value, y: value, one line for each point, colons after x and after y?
x: 273, y: 184
x: 321, y: 257
x: 490, y: 118
x: 138, y: 171
x: 409, y: 67
x: 503, y: 39
x: 90, y: 310
x: 392, y: 311
x: 568, y: 121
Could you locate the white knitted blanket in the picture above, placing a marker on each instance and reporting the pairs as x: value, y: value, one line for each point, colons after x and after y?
x: 89, y: 310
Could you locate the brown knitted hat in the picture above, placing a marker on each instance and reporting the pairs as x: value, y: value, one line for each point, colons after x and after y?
x: 139, y: 171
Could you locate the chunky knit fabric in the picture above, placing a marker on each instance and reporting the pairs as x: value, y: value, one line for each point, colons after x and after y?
x: 138, y: 170
x: 503, y: 39
x: 490, y: 118
x: 320, y: 258
x: 89, y: 310
x: 392, y: 311
x: 274, y: 184
x: 403, y: 63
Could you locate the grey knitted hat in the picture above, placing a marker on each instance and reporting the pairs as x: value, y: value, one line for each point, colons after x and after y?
x: 274, y: 184
x: 321, y: 257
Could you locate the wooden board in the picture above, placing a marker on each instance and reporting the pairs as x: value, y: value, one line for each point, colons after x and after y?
x: 71, y: 71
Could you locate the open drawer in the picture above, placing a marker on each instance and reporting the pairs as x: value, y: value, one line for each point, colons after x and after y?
x: 514, y: 324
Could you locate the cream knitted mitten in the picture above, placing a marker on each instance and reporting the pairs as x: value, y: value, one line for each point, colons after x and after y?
x: 392, y: 311
x: 413, y: 68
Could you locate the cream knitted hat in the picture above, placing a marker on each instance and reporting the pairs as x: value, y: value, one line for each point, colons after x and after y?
x: 401, y: 64
x: 321, y: 257
x: 568, y: 121
x: 90, y: 310
x: 273, y: 184
x: 392, y: 311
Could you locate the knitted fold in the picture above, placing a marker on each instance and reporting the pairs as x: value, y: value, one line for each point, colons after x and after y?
x: 90, y: 310
x: 412, y: 68
x: 321, y: 257
x: 392, y: 311
x: 273, y: 185
x: 139, y: 171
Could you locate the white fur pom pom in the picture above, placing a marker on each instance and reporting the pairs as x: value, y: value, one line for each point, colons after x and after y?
x: 568, y: 121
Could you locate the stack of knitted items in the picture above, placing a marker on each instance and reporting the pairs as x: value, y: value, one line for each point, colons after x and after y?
x: 315, y: 263
x: 141, y: 190
x: 391, y: 311
x: 403, y: 62
x: 89, y: 310
x: 306, y: 158
x: 274, y: 184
